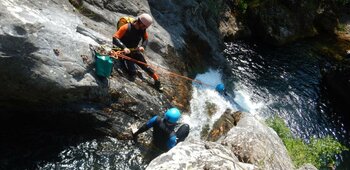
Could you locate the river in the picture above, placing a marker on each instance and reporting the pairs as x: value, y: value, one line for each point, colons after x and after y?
x: 286, y: 82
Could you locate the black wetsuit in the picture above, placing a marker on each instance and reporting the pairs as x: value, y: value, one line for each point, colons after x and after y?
x: 164, y: 136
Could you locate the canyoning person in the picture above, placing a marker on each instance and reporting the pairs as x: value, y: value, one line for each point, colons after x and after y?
x: 164, y: 136
x: 220, y: 88
x: 129, y: 36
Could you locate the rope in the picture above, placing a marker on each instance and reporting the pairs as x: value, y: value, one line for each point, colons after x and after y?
x: 120, y: 49
x: 119, y: 54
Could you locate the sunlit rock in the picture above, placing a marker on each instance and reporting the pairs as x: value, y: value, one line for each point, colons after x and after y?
x: 255, y: 143
x: 198, y: 155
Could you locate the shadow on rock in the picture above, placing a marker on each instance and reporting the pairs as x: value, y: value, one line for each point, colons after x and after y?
x: 30, y: 138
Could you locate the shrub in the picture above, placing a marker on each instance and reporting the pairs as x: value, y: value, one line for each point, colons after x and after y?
x: 342, y: 2
x: 319, y: 152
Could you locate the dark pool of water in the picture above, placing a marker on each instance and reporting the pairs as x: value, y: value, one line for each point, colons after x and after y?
x: 288, y: 82
x: 63, y: 141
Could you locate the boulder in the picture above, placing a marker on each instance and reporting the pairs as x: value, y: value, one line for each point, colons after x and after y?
x: 255, y: 143
x: 198, y: 155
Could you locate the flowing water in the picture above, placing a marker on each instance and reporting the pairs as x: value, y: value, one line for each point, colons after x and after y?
x: 106, y: 153
x: 265, y: 82
x: 261, y: 81
x: 285, y: 82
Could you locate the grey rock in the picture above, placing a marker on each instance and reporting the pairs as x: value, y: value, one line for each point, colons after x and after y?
x: 198, y: 155
x: 307, y: 167
x: 254, y: 142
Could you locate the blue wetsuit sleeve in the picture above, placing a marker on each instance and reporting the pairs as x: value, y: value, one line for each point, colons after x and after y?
x: 171, y: 142
x: 147, y: 125
x: 151, y: 122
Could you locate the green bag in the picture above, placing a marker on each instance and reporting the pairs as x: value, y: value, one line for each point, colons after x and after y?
x: 104, y: 65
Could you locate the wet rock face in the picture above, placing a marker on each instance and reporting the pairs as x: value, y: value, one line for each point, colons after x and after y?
x: 45, y: 47
x: 32, y: 71
x: 278, y: 23
x: 281, y: 22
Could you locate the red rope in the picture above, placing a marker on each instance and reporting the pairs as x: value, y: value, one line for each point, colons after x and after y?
x: 119, y: 54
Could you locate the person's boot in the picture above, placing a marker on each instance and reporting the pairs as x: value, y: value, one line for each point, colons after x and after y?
x: 132, y: 77
x: 140, y: 75
x: 157, y: 85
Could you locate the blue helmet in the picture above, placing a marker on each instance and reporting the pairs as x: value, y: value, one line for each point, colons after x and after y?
x: 220, y: 87
x: 172, y: 115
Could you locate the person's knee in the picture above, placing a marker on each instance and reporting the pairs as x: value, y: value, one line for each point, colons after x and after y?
x: 185, y: 127
x: 183, y: 132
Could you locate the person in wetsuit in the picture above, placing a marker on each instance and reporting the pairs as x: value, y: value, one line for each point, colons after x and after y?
x: 220, y: 88
x: 128, y: 37
x: 164, y: 136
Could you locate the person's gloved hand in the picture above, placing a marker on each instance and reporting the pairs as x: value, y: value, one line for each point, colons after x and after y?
x: 126, y: 50
x: 134, y: 137
x: 141, y: 49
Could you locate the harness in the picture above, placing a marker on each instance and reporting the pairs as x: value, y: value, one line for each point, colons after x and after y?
x: 132, y: 36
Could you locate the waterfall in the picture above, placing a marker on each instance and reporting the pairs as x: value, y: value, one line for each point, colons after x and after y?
x: 207, y: 105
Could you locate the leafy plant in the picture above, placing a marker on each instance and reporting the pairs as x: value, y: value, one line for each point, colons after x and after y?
x: 215, y: 7
x: 319, y: 152
x: 342, y: 2
x: 326, y: 149
x: 342, y: 27
x: 242, y: 5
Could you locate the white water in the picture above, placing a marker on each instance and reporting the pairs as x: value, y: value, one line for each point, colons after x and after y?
x: 205, y: 97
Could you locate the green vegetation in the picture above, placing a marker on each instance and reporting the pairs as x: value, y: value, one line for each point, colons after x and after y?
x: 341, y: 27
x: 319, y: 152
x: 342, y: 2
x: 215, y: 7
x: 242, y: 5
